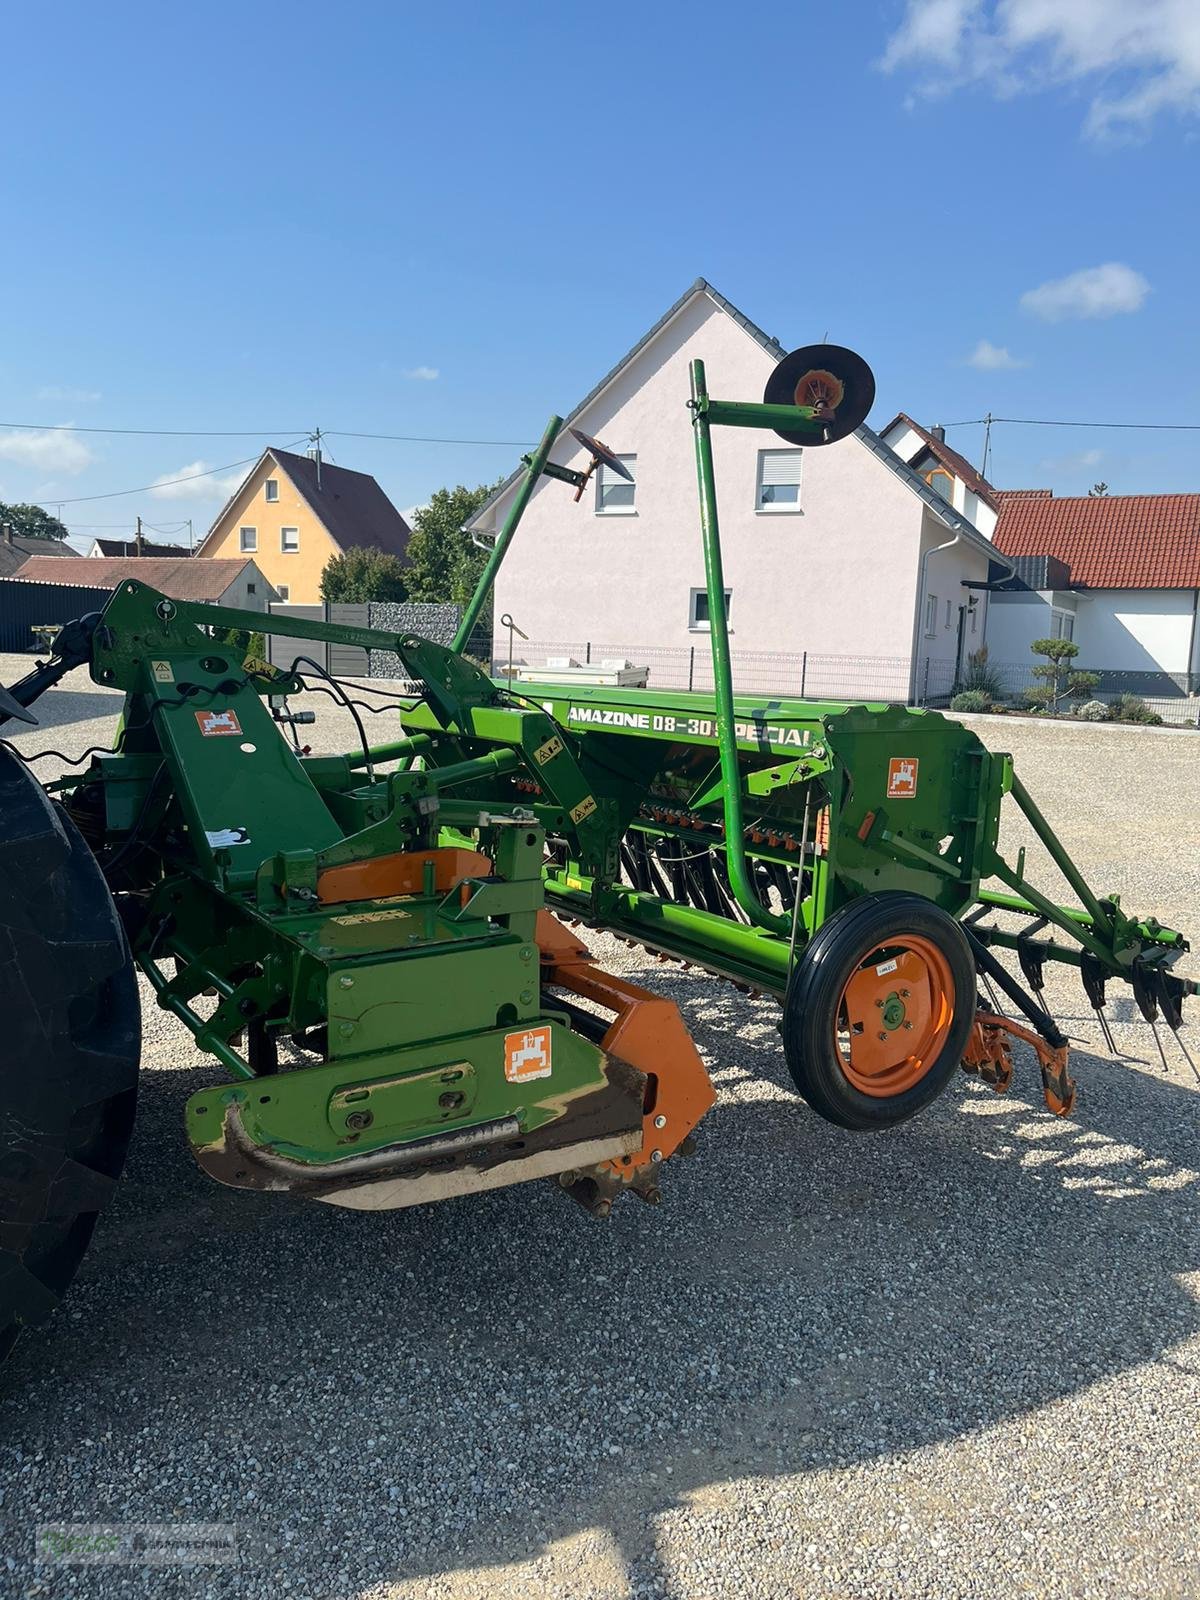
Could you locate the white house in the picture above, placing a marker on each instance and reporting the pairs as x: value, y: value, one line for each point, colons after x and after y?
x: 1118, y: 574
x: 952, y: 475
x: 843, y: 557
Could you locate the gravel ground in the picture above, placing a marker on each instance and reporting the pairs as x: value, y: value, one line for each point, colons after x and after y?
x: 960, y: 1359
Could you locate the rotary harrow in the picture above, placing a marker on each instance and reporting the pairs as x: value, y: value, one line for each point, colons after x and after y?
x: 378, y: 947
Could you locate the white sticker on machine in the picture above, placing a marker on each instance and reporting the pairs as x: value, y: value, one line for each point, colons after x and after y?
x: 162, y: 672
x: 226, y: 838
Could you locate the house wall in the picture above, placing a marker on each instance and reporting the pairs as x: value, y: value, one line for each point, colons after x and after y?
x: 946, y: 571
x: 249, y: 591
x: 299, y: 571
x: 836, y: 577
x: 1120, y: 630
x: 1136, y: 629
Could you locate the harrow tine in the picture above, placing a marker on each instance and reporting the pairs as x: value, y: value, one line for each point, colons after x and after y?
x: 1093, y: 986
x: 1187, y: 1055
x: 1161, y: 1052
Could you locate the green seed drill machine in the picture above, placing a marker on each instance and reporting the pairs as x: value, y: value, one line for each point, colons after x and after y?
x: 377, y: 947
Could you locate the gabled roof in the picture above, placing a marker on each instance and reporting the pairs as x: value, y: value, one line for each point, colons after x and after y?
x: 1118, y: 541
x: 202, y: 578
x: 942, y: 510
x: 128, y: 547
x: 955, y: 464
x: 16, y: 551
x: 350, y: 505
x: 701, y: 286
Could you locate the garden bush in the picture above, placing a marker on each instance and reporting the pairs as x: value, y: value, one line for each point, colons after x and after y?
x: 971, y: 700
x: 1132, y: 708
x: 1092, y: 711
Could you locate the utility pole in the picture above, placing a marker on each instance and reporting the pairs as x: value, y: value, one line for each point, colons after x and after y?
x: 137, y: 543
x: 315, y: 452
x: 191, y: 540
x: 987, y: 441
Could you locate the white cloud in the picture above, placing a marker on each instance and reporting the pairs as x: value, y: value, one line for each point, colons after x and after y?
x: 69, y: 396
x: 989, y: 357
x: 46, y: 450
x: 410, y: 512
x: 1106, y: 291
x: 422, y: 374
x: 1014, y: 46
x: 195, y: 481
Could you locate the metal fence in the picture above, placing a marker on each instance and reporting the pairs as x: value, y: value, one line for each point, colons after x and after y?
x: 808, y: 675
x: 802, y: 674
x: 25, y: 606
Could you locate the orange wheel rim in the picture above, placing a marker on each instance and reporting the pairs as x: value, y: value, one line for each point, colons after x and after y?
x: 894, y: 1015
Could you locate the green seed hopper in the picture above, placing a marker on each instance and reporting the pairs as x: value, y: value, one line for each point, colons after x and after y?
x: 377, y: 946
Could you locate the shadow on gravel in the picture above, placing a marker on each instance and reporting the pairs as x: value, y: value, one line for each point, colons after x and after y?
x: 374, y: 1399
x: 60, y: 710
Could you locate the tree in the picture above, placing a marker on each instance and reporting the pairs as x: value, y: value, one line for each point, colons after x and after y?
x: 31, y: 522
x: 1098, y: 491
x: 443, y: 564
x: 360, y: 574
x: 1057, y: 680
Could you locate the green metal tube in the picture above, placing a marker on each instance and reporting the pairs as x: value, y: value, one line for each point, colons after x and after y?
x: 195, y: 1025
x: 1101, y: 917
x: 533, y: 471
x: 718, y: 625
x: 491, y: 765
x: 749, y: 414
x: 395, y: 751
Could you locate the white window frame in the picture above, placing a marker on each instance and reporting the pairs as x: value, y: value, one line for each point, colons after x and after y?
x: 782, y: 507
x: 931, y: 616
x: 268, y: 486
x: 1062, y: 624
x: 251, y: 548
x: 628, y: 460
x: 286, y: 548
x: 702, y: 625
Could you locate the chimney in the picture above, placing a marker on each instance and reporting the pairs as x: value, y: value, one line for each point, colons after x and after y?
x: 8, y: 533
x: 938, y: 432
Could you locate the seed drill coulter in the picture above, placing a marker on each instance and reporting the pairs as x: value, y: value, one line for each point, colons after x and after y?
x: 379, y: 947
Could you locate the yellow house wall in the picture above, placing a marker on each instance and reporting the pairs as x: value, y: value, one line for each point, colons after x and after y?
x: 300, y: 571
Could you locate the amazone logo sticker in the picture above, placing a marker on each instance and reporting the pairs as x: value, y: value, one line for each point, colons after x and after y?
x: 212, y: 723
x: 902, y: 778
x: 527, y: 1055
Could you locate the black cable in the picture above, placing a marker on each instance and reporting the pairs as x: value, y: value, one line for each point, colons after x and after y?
x: 130, y: 727
x: 345, y: 700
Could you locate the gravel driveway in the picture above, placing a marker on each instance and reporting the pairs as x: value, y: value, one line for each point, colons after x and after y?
x: 960, y: 1359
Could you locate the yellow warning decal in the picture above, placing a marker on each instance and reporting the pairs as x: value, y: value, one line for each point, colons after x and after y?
x: 548, y: 751
x: 584, y: 809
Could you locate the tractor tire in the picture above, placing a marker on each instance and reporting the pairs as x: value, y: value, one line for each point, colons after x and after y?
x: 878, y: 1010
x: 68, y: 1068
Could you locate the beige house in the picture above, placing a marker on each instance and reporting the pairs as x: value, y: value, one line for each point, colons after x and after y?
x: 292, y: 513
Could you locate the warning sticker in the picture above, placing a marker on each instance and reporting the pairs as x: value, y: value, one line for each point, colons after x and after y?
x: 584, y: 809
x: 527, y: 1055
x: 902, y: 778
x: 212, y: 723
x: 548, y: 751
x: 162, y: 672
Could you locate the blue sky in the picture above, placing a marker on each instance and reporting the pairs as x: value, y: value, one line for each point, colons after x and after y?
x: 450, y: 221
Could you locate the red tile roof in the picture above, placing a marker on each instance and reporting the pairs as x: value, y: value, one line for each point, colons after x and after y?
x: 200, y: 578
x: 949, y: 458
x: 1117, y: 541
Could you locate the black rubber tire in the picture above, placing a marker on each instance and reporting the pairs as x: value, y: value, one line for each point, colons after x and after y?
x: 69, y: 1059
x: 814, y: 993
